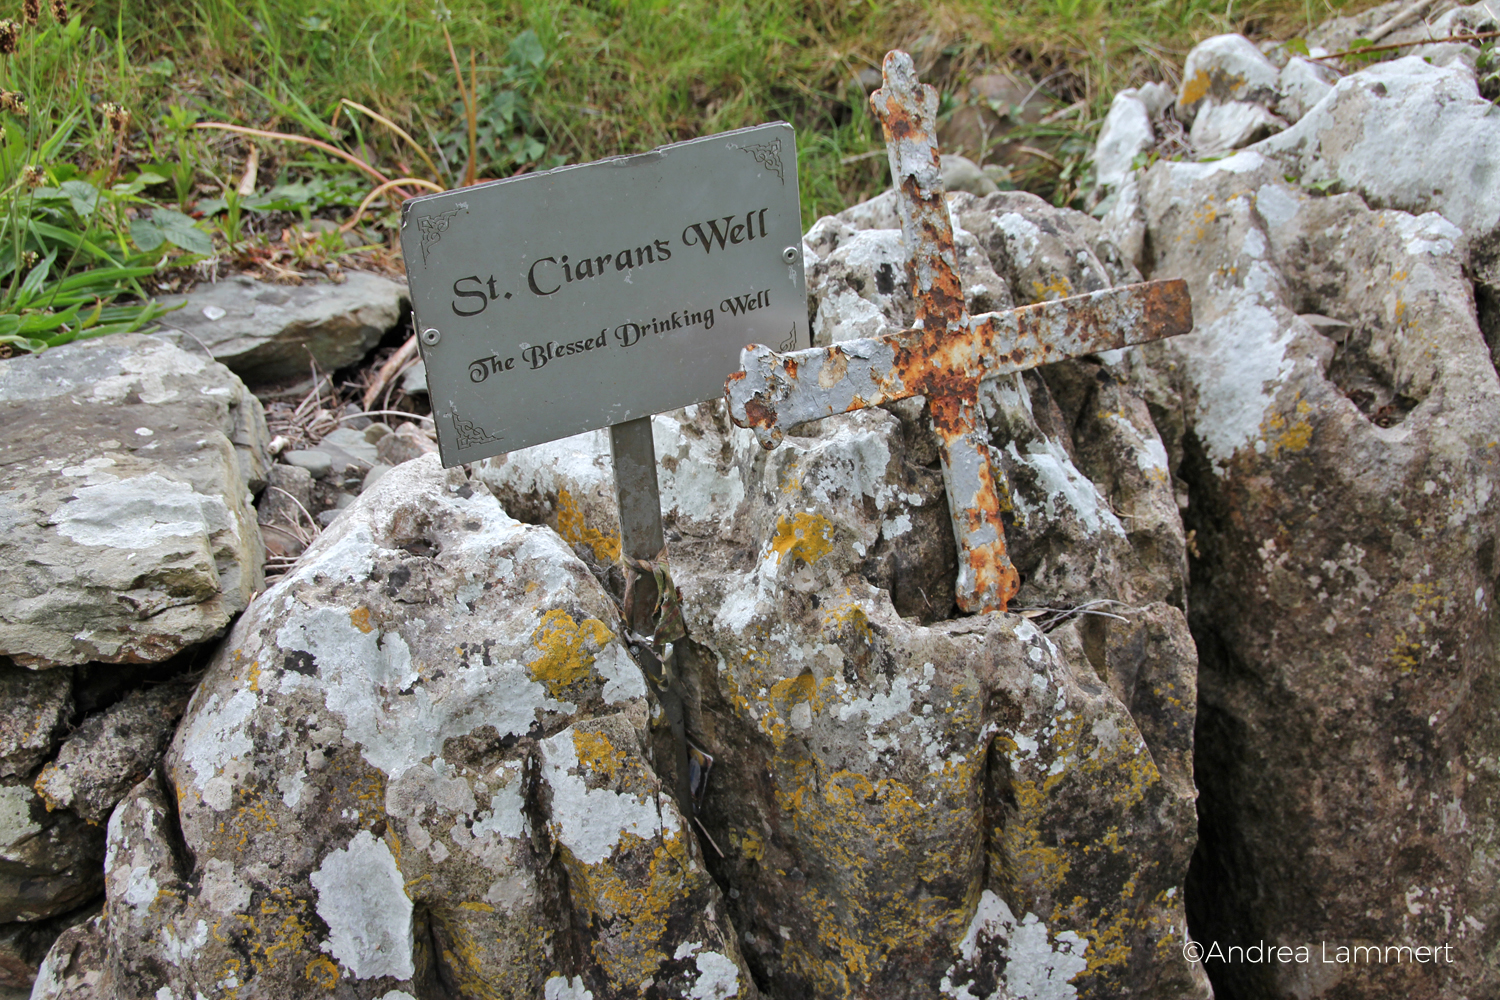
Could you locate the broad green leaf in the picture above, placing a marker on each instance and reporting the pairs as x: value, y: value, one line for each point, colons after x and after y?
x: 180, y: 230
x: 1297, y: 46
x: 83, y: 196
x: 526, y: 50
x: 146, y: 235
x: 108, y: 328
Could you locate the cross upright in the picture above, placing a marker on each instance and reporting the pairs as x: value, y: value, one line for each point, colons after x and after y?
x: 947, y: 352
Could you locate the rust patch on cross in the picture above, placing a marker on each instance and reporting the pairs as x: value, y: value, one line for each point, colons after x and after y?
x: 948, y: 352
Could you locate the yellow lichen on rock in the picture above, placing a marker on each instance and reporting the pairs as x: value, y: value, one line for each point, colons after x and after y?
x: 1195, y: 88
x: 878, y: 833
x: 565, y: 649
x: 1283, y: 434
x: 574, y: 529
x: 808, y: 537
x: 598, y: 754
x: 1056, y: 287
x: 636, y: 908
x: 360, y: 619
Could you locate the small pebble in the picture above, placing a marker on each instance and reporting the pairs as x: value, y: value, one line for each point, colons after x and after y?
x: 376, y: 431
x: 373, y: 476
x: 319, y: 463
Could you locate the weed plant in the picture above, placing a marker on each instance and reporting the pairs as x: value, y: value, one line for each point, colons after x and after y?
x: 75, y: 234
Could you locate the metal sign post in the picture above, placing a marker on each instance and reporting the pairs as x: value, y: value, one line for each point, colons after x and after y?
x: 595, y: 295
x: 946, y: 355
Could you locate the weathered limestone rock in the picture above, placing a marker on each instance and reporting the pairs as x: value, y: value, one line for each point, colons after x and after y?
x: 268, y: 334
x: 908, y: 809
x: 1361, y: 138
x: 111, y: 752
x: 49, y: 861
x: 1222, y: 70
x: 856, y: 277
x: 1042, y: 252
x: 1125, y: 134
x: 959, y: 173
x: 1341, y: 414
x: 415, y: 766
x: 1302, y: 84
x: 1219, y: 128
x: 126, y: 530
x: 37, y: 707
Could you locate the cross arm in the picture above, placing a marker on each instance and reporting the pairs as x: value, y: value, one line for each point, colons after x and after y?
x: 778, y: 390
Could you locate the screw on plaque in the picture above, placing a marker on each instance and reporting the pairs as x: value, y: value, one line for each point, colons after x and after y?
x: 790, y: 255
x: 431, y: 336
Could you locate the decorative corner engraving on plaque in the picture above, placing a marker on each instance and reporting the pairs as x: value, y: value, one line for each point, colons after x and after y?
x: 469, y: 433
x: 790, y: 343
x: 432, y: 228
x: 768, y: 155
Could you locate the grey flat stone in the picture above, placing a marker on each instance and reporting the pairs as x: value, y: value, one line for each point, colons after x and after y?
x: 960, y: 173
x: 373, y: 476
x: 126, y: 529
x: 269, y: 333
x: 352, y: 442
x: 414, y: 382
x: 317, y: 463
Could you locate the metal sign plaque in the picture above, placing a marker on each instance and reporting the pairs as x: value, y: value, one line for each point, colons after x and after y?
x: 586, y: 296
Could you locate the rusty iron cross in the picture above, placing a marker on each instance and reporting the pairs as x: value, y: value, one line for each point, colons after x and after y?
x: 947, y: 353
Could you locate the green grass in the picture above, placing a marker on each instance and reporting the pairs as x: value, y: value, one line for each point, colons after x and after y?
x: 618, y: 77
x: 553, y: 82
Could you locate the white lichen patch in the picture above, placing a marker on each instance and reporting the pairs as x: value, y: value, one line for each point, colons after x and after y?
x: 139, y: 513
x: 350, y: 557
x: 140, y: 889
x: 718, y: 977
x: 558, y: 988
x: 369, y: 681
x: 16, y: 824
x: 1276, y: 205
x: 182, y: 949
x: 1428, y: 234
x: 590, y: 821
x: 362, y: 898
x: 223, y: 890
x: 1037, y: 965
x: 1022, y: 238
x: 623, y: 680
x: 506, y: 815
x: 144, y: 374
x: 1240, y: 357
x: 693, y: 490
x: 218, y: 734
